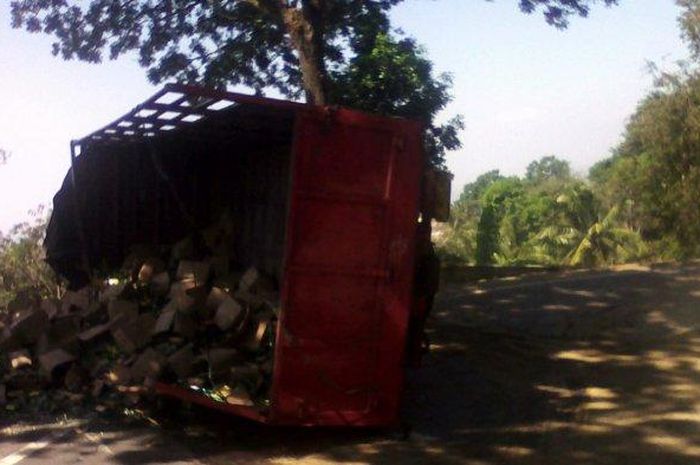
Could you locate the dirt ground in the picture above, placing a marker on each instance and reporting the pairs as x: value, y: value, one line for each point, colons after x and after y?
x: 569, y: 368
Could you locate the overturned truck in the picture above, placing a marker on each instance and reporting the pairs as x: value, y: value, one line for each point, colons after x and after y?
x: 327, y: 211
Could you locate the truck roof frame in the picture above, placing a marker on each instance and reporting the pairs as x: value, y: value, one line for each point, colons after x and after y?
x: 176, y: 107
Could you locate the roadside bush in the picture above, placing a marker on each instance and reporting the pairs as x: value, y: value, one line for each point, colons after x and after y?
x: 23, y: 272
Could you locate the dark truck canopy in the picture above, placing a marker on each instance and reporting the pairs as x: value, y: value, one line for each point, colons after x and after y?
x: 170, y: 167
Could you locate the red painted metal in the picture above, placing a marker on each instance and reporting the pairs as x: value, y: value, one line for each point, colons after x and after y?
x: 348, y: 262
x: 348, y: 272
x: 194, y: 397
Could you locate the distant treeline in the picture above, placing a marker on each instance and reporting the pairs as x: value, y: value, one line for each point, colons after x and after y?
x: 642, y: 203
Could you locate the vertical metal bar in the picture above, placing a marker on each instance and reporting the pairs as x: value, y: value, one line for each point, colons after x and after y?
x: 72, y: 162
x: 85, y: 260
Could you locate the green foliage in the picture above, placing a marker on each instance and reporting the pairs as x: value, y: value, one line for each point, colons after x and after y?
x: 557, y: 12
x: 641, y: 203
x: 226, y: 42
x: 468, y: 207
x: 22, y: 266
x: 653, y: 177
x: 579, y: 236
x: 391, y: 76
x: 214, y: 42
x: 458, y: 241
x: 487, y: 236
x: 332, y: 51
x: 455, y: 246
x: 690, y: 24
x: 547, y: 169
x: 606, y: 243
x: 496, y: 232
x: 336, y: 52
x: 546, y: 218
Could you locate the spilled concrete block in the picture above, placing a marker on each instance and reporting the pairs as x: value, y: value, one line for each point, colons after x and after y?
x: 124, y: 309
x: 50, y: 361
x: 228, y: 314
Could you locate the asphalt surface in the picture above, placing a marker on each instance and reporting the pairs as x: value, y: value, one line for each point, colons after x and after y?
x: 578, y: 368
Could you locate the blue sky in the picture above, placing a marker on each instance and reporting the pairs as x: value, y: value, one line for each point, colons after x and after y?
x: 525, y: 89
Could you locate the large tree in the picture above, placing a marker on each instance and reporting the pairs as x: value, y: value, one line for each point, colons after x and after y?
x: 291, y: 45
x: 548, y: 168
x: 654, y: 175
x: 331, y: 51
x: 689, y: 20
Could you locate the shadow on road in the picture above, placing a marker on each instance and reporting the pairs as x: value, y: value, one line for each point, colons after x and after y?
x: 599, y: 369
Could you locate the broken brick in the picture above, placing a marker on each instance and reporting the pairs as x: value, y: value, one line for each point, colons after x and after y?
x: 146, y: 273
x: 29, y: 325
x: 95, y: 314
x: 254, y: 301
x: 178, y: 294
x: 125, y: 309
x: 185, y: 325
x: 220, y: 265
x: 239, y: 396
x: 221, y: 359
x: 228, y: 314
x: 149, y: 270
x: 207, y: 335
x: 182, y: 361
x: 149, y: 364
x: 118, y: 375
x: 9, y: 341
x: 135, y: 334
x: 111, y: 292
x: 97, y: 387
x: 229, y: 282
x: 75, y: 378
x: 160, y: 284
x: 199, y: 294
x: 75, y: 300
x: 61, y: 334
x: 256, y: 338
x: 216, y: 296
x: 254, y: 281
x: 165, y: 320
x: 50, y: 307
x: 198, y: 272
x: 20, y: 359
x: 182, y: 250
x: 54, y: 359
x: 95, y: 332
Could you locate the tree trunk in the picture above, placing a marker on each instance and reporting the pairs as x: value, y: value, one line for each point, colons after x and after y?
x: 306, y: 30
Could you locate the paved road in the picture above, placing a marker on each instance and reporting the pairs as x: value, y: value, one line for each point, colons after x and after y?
x: 589, y: 368
x: 89, y: 441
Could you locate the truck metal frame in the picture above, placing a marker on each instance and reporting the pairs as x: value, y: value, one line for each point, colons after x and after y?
x: 327, y: 201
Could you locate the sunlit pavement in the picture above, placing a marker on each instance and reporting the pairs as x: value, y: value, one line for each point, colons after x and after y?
x: 88, y: 441
x: 589, y: 368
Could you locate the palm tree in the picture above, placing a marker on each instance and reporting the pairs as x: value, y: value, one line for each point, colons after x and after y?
x: 578, y: 236
x: 605, y: 242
